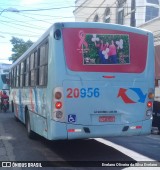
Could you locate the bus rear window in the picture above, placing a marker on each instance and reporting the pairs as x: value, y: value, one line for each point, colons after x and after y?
x: 100, y: 50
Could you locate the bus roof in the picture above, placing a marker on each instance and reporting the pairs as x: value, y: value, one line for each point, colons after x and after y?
x: 81, y: 25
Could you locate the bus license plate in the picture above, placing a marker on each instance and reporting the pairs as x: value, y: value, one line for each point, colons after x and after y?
x: 106, y: 118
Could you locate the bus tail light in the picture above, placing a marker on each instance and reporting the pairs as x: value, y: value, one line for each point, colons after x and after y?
x: 58, y: 105
x: 58, y: 95
x: 58, y: 108
x: 149, y: 104
x: 136, y: 127
x: 149, y: 109
x: 74, y: 130
x: 59, y: 114
x: 149, y: 113
x: 151, y: 95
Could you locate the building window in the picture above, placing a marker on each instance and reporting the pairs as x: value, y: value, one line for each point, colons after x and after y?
x: 133, y: 17
x: 96, y: 18
x: 153, y: 1
x: 121, y: 3
x: 151, y: 12
x: 121, y: 16
x: 120, y: 12
x: 106, y: 18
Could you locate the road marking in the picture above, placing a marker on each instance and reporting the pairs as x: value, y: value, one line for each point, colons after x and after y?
x: 132, y: 154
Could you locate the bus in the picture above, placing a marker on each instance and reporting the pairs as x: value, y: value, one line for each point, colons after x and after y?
x: 85, y: 80
x: 4, y: 78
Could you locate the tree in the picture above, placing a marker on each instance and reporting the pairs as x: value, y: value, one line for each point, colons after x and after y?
x: 19, y: 47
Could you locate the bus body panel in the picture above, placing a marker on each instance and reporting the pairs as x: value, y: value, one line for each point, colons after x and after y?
x: 93, y: 100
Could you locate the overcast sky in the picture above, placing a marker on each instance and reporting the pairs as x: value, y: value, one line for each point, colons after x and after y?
x: 29, y: 20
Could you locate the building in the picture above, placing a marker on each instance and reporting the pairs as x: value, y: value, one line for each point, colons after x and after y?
x: 94, y: 11
x: 153, y: 26
x: 125, y: 12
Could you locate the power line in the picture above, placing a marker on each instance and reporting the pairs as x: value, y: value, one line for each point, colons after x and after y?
x: 33, y: 26
x: 42, y: 9
x: 82, y: 16
x: 18, y: 34
x: 43, y: 15
x: 34, y: 18
x: 65, y: 7
x: 8, y: 24
x: 51, y: 3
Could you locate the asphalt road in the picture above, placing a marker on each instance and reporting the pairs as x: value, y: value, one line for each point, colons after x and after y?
x: 20, y: 148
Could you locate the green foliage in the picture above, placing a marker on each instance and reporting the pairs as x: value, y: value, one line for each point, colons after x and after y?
x: 19, y: 47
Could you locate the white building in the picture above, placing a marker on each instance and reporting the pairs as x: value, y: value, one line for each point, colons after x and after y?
x: 153, y: 26
x: 125, y: 12
x: 93, y: 10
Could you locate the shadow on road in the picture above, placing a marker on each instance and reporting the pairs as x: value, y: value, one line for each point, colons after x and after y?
x: 44, y: 150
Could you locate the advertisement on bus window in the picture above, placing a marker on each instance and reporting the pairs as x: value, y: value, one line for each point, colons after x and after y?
x: 105, y: 48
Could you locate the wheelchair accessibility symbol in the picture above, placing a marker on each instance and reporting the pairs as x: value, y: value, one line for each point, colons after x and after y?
x: 72, y: 118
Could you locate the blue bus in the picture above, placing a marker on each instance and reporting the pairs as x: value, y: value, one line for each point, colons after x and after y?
x: 85, y: 80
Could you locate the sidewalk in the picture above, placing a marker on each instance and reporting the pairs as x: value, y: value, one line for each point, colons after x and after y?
x: 4, y: 154
x: 6, y: 149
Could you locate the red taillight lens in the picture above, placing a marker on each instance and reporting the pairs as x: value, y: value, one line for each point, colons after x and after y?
x: 58, y: 105
x: 149, y: 104
x: 71, y: 130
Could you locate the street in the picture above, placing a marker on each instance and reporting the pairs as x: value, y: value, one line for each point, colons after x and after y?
x: 16, y: 146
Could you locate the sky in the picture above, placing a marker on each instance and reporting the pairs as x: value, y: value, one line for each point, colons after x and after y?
x: 29, y: 19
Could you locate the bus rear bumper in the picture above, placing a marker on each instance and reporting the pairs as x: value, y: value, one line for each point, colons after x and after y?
x: 72, y: 131
x: 101, y: 131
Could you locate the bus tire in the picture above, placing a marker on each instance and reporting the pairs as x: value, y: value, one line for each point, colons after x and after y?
x: 12, y: 107
x: 15, y: 117
x: 30, y: 133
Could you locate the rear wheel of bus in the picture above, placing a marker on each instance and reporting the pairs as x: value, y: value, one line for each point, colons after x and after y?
x: 12, y: 107
x: 30, y: 133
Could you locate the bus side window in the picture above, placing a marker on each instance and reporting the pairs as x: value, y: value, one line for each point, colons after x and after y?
x: 43, y: 69
x: 36, y: 68
x: 14, y: 77
x: 22, y: 74
x: 27, y: 83
x: 17, y: 77
x: 32, y: 70
x: 10, y: 77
